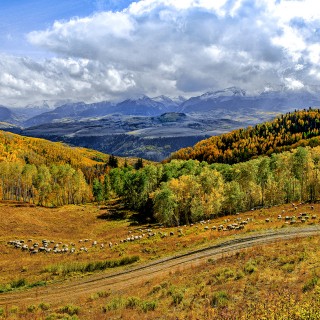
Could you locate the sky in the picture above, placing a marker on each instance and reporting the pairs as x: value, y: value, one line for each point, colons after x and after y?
x: 83, y: 50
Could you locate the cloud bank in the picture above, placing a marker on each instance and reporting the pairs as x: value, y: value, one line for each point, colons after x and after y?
x: 170, y: 47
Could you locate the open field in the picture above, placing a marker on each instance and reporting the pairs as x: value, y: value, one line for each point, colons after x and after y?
x: 73, y: 223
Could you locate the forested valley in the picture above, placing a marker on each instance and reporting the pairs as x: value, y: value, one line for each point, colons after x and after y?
x: 176, y: 192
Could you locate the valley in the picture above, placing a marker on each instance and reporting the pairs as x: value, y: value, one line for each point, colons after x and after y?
x: 200, y: 239
x: 153, y: 128
x: 160, y: 160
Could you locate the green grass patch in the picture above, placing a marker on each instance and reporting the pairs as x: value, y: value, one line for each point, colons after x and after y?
x: 20, y: 284
x: 85, y: 267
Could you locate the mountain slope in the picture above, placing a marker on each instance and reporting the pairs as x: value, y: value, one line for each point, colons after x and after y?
x: 7, y: 115
x: 300, y: 128
x: 143, y: 106
x: 236, y: 99
x: 37, y: 151
x: 70, y: 111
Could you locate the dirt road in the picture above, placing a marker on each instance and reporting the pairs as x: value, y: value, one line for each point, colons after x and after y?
x: 68, y: 291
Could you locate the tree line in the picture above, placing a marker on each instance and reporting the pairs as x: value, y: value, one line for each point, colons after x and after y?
x: 45, y: 186
x: 182, y: 192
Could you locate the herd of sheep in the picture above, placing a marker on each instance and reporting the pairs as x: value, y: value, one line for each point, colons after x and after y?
x: 50, y: 246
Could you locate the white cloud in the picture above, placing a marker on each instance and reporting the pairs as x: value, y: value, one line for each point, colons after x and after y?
x: 170, y: 47
x: 293, y: 84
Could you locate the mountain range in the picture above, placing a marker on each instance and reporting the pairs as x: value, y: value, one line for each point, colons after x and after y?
x: 152, y: 128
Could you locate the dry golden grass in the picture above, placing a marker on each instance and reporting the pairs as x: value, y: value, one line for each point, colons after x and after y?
x: 188, y: 294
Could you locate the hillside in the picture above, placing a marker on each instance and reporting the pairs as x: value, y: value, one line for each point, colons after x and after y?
x: 37, y: 151
x: 289, y: 131
x: 50, y: 173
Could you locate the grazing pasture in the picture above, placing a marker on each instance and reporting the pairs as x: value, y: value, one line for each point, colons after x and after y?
x: 91, y: 239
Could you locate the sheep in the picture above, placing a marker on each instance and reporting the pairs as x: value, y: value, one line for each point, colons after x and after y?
x: 25, y: 247
x: 110, y: 244
x: 171, y: 233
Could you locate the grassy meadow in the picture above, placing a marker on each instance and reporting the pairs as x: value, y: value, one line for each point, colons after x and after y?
x: 280, y: 277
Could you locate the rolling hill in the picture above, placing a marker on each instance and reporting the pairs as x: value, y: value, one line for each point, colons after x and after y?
x: 300, y: 128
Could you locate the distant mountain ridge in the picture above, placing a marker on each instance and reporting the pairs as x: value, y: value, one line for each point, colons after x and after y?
x: 233, y: 97
x: 152, y: 128
x: 217, y: 102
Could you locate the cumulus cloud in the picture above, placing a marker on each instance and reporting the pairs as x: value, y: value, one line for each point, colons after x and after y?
x: 23, y: 81
x: 173, y: 47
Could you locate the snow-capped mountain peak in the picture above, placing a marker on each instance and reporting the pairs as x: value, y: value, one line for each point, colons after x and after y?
x: 228, y: 92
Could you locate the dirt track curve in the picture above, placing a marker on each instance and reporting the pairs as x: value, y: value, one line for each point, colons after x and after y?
x: 73, y: 289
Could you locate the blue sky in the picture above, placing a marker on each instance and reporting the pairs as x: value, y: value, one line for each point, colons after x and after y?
x: 90, y: 51
x: 18, y: 17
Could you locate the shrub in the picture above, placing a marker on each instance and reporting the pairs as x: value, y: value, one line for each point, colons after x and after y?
x: 239, y: 275
x: 219, y: 299
x: 32, y: 308
x: 250, y: 267
x: 18, y: 283
x: 132, y: 302
x: 54, y: 316
x: 155, y: 289
x: 177, y: 297
x: 70, y: 309
x: 148, y: 306
x: 114, y: 304
x: 310, y: 284
x: 44, y: 306
x: 14, y: 309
